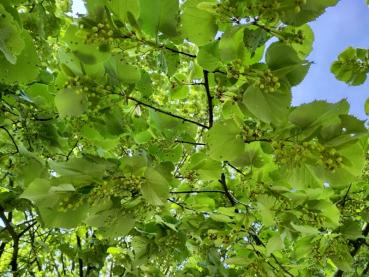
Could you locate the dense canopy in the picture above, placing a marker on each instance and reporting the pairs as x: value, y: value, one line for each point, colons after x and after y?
x: 157, y: 138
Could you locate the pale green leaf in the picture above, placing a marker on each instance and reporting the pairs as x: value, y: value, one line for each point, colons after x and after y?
x: 224, y: 141
x: 37, y: 190
x: 198, y: 26
x: 159, y: 16
x: 70, y: 102
x: 275, y: 243
x: 156, y: 188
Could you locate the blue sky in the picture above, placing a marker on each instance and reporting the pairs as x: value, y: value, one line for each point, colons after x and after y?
x: 344, y: 25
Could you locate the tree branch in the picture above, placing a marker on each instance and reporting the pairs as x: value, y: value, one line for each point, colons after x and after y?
x: 12, y: 139
x: 344, y: 199
x: 189, y: 142
x: 356, y: 246
x: 179, y: 52
x: 80, y: 261
x: 255, y: 140
x: 197, y: 191
x: 2, y: 248
x: 26, y: 229
x: 258, y: 241
x: 7, y: 221
x: 167, y: 113
x: 71, y: 150
x: 209, y: 97
x: 235, y: 168
x: 366, y: 270
x: 227, y: 193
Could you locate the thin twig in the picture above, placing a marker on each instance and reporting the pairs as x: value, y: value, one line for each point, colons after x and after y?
x: 227, y: 193
x: 190, y: 142
x: 235, y: 168
x: 71, y: 150
x: 209, y: 97
x: 197, y: 191
x: 167, y: 113
x: 8, y: 225
x: 345, y: 197
x: 80, y: 261
x: 356, y: 246
x: 179, y: 52
x: 12, y: 139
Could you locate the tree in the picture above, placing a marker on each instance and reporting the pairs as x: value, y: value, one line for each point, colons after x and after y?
x: 151, y: 138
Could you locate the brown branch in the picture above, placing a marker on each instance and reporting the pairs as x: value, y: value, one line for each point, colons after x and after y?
x: 179, y: 52
x: 235, y: 168
x: 182, y: 205
x: 2, y: 248
x: 45, y: 119
x: 345, y: 197
x: 258, y: 241
x: 71, y: 150
x: 356, y: 246
x: 80, y: 261
x: 209, y: 97
x: 167, y: 113
x: 227, y: 193
x: 197, y: 191
x: 8, y: 225
x: 257, y: 140
x: 190, y: 142
x: 366, y: 270
x: 26, y: 229
x: 12, y: 139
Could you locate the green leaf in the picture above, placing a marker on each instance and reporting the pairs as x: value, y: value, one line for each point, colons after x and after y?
x: 121, y: 8
x: 231, y: 45
x: 122, y: 71
x: 87, y: 53
x: 350, y: 66
x: 37, y: 190
x: 302, y: 49
x: 70, y: 102
x: 68, y: 219
x: 318, y: 113
x: 156, y: 188
x: 26, y: 69
x: 275, y: 243
x: 224, y: 141
x: 62, y: 188
x: 159, y: 16
x: 310, y: 10
x: 305, y: 229
x: 208, y: 56
x: 268, y: 107
x: 284, y: 62
x: 207, y: 169
x: 254, y: 38
x: 220, y: 218
x: 265, y: 203
x: 172, y: 61
x: 351, y: 229
x: 121, y: 226
x: 11, y: 41
x: 343, y: 259
x: 367, y: 106
x: 198, y: 26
